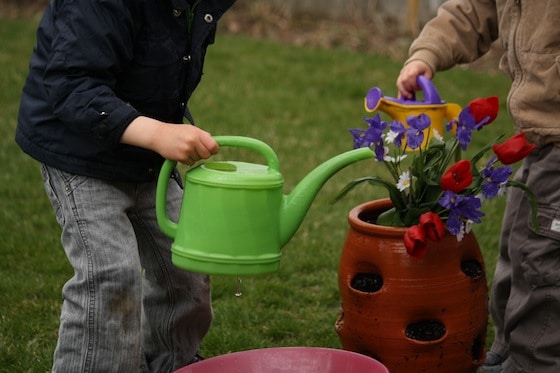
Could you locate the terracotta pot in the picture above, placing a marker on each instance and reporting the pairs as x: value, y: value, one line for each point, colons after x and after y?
x: 413, y: 315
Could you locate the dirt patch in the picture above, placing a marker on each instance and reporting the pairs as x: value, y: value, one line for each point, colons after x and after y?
x: 261, y: 19
x: 19, y: 8
x: 365, y: 34
x: 369, y: 34
x: 264, y: 20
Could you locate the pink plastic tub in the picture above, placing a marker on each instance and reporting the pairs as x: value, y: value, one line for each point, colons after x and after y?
x: 288, y: 360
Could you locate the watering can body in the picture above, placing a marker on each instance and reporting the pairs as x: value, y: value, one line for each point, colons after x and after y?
x: 234, y: 217
x: 400, y: 109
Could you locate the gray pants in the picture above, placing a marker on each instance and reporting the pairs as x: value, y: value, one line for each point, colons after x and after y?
x: 525, y: 298
x: 127, y: 308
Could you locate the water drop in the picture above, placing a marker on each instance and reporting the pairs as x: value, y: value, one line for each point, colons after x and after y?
x: 238, y: 291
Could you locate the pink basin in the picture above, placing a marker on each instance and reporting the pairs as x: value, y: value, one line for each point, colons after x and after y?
x: 288, y: 360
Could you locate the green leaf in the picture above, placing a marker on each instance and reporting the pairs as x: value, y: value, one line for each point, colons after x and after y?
x: 412, y: 216
x: 480, y: 154
x: 394, y: 193
x: 532, y: 201
x: 431, y: 195
x: 390, y: 218
x: 426, y: 167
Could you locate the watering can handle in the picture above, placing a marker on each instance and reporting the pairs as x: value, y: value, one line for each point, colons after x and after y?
x: 431, y: 95
x: 169, y: 227
x: 374, y: 98
x: 166, y: 225
x: 252, y: 144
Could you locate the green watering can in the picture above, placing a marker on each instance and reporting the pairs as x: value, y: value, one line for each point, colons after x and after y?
x: 234, y: 217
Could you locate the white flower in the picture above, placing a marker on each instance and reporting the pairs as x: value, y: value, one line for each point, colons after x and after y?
x: 465, y: 228
x: 388, y: 158
x: 391, y: 136
x: 404, y: 181
x: 461, y: 233
x: 437, y: 135
x: 468, y: 225
x: 502, y: 189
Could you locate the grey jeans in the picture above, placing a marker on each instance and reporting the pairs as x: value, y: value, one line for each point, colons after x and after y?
x: 525, y: 298
x: 127, y: 308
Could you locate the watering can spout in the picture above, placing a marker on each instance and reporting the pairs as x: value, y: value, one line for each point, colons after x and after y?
x: 296, y: 204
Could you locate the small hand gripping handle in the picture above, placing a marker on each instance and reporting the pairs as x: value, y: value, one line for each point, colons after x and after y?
x: 169, y: 227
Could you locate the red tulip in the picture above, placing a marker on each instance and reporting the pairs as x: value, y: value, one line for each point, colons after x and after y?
x: 415, y: 241
x: 513, y: 149
x: 484, y: 107
x: 433, y: 225
x: 458, y: 177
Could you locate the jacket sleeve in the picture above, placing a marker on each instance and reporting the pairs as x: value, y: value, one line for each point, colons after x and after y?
x: 91, y: 44
x: 461, y: 32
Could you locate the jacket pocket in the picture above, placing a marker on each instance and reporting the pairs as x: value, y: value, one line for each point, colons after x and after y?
x: 152, y: 75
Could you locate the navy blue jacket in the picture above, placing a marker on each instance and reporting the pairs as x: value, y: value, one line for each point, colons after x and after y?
x: 99, y: 64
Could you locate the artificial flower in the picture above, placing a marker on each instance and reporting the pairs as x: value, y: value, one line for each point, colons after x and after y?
x: 372, y: 136
x: 388, y: 158
x: 484, y: 110
x: 404, y: 181
x: 478, y: 113
x: 458, y: 177
x: 494, y: 179
x: 436, y: 135
x: 461, y: 208
x: 433, y: 225
x: 432, y: 189
x: 396, y: 134
x: 465, y: 127
x: 513, y: 149
x: 415, y: 241
x: 415, y: 132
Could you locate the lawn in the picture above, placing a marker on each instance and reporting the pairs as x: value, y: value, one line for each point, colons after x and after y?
x: 301, y: 102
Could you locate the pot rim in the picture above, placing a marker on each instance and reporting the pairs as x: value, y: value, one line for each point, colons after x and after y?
x: 355, y: 218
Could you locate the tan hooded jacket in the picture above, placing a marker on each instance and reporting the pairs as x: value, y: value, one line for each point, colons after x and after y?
x: 529, y: 33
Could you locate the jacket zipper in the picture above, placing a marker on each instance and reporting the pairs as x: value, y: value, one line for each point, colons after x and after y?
x: 513, y: 54
x: 190, y: 16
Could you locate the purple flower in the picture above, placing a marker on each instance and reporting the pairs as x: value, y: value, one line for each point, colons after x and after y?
x: 448, y: 199
x: 466, y: 124
x: 415, y: 134
x: 454, y: 223
x: 371, y: 136
x: 360, y: 140
x: 494, y: 178
x: 376, y: 125
x: 461, y: 208
x: 469, y: 208
x: 399, y: 130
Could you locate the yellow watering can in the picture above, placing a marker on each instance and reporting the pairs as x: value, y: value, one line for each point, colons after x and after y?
x: 400, y: 109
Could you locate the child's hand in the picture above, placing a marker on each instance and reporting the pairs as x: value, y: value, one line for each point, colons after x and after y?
x: 406, y: 81
x: 183, y: 143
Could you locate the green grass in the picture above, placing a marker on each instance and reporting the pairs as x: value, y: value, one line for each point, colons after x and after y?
x: 301, y: 102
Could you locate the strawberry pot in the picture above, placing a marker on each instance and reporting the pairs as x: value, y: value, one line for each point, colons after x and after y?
x: 413, y: 315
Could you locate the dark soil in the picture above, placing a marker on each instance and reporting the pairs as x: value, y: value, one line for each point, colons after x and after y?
x: 472, y: 268
x: 367, y: 282
x: 427, y: 330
